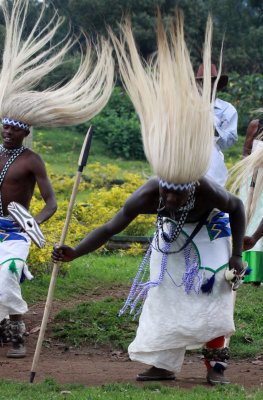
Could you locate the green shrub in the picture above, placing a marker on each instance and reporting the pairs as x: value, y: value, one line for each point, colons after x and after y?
x: 102, y: 204
x: 245, y: 93
x: 118, y: 127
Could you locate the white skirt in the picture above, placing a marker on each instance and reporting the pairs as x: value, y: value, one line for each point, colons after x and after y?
x: 172, y: 320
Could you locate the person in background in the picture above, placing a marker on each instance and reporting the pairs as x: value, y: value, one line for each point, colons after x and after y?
x: 253, y: 241
x: 225, y: 124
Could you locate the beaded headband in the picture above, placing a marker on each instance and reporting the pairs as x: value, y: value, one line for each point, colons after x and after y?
x: 21, y: 125
x: 175, y: 186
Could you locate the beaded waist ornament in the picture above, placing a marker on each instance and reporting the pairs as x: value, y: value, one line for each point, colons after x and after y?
x: 191, y: 279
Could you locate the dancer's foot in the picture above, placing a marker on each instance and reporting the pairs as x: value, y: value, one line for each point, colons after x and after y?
x: 216, y: 376
x: 17, y: 351
x: 155, y: 374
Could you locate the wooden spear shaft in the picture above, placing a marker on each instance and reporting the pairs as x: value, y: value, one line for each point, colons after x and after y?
x: 81, y: 163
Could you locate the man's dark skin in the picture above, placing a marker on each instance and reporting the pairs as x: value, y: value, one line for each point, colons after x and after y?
x: 21, y: 178
x: 145, y: 200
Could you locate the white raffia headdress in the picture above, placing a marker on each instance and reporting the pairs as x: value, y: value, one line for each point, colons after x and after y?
x: 176, y: 117
x: 27, y: 60
x: 248, y: 175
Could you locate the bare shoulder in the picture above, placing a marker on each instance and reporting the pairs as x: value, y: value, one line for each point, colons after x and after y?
x: 216, y: 196
x: 252, y: 127
x: 209, y: 189
x: 145, y: 198
x: 34, y: 158
x: 254, y: 123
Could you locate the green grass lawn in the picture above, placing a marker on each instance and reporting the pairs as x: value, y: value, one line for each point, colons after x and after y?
x: 98, y: 321
x: 50, y: 390
x: 60, y: 148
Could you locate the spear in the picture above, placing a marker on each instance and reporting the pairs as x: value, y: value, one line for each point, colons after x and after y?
x: 81, y: 164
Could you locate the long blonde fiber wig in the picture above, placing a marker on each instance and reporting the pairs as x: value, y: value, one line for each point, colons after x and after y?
x: 27, y: 60
x: 176, y: 116
x: 247, y: 174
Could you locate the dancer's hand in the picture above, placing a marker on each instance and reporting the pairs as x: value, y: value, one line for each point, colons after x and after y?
x: 63, y: 253
x: 235, y: 262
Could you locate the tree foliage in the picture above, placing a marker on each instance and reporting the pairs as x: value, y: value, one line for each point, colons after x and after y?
x: 239, y: 22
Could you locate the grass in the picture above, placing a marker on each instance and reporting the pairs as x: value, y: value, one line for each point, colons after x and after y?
x: 67, y: 144
x: 51, y: 390
x: 98, y: 321
x: 95, y: 322
x: 92, y: 273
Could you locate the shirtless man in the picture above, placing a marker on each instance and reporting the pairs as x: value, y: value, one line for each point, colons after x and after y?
x: 187, y: 302
x: 28, y: 57
x: 18, y: 185
x: 215, y: 310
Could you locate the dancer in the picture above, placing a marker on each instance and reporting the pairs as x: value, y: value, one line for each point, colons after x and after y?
x: 25, y: 62
x: 186, y: 301
x: 253, y: 242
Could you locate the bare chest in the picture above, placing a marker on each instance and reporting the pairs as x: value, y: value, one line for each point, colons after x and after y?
x: 15, y: 172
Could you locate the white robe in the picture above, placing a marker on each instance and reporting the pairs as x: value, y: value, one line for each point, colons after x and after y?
x: 172, y: 320
x: 11, y: 301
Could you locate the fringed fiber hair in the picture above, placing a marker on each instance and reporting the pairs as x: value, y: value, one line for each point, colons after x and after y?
x: 176, y: 116
x: 247, y: 175
x: 27, y: 60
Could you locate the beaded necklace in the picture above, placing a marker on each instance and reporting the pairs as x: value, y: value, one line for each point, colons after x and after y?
x: 180, y: 223
x: 13, y: 153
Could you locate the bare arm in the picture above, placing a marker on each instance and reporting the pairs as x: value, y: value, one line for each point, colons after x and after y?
x: 143, y: 201
x: 46, y: 190
x: 227, y: 202
x: 251, y: 130
x: 250, y: 241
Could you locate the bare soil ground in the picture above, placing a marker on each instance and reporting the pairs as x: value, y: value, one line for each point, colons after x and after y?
x: 95, y: 366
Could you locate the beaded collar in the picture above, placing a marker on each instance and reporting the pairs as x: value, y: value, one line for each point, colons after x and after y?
x: 9, y: 152
x: 180, y: 223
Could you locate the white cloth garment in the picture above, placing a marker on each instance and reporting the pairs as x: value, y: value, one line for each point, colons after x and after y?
x: 16, y: 252
x: 172, y: 320
x: 225, y: 122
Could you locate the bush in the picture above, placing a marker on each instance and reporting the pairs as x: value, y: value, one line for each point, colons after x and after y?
x: 103, y: 203
x: 118, y: 126
x: 245, y: 93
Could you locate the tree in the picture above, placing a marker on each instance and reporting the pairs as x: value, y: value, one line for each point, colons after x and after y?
x: 240, y: 21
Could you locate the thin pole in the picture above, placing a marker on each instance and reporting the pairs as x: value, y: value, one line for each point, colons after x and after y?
x: 82, y: 162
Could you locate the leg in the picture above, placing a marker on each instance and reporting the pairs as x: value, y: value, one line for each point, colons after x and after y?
x: 215, y: 360
x: 5, y: 336
x: 18, y: 332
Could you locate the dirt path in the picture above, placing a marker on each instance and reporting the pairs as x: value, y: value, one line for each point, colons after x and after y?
x: 96, y: 366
